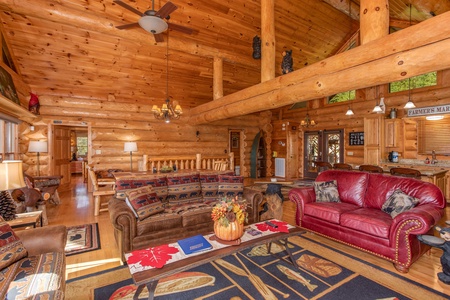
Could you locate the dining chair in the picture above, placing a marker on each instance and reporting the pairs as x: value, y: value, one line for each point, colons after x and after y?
x: 100, y: 188
x: 406, y: 172
x: 342, y: 166
x: 370, y: 169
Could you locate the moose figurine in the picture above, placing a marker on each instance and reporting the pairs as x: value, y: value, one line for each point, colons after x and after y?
x: 440, y: 243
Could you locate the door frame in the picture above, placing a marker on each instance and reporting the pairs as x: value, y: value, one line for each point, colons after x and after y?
x: 51, y: 141
x: 322, y: 143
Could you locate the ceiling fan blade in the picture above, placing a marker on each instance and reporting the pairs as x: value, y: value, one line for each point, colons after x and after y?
x: 132, y: 25
x: 159, y: 38
x: 132, y: 9
x: 181, y: 28
x: 166, y: 10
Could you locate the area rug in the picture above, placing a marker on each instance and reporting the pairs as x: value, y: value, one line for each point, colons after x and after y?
x: 82, y: 238
x: 252, y: 274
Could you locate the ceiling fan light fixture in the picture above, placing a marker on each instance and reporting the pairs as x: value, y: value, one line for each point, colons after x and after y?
x: 153, y: 24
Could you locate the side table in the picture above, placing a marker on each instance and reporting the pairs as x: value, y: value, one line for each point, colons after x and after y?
x: 27, y: 219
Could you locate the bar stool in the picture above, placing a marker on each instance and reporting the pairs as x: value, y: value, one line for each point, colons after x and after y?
x: 322, y: 166
x: 406, y: 172
x: 371, y: 169
x: 342, y: 166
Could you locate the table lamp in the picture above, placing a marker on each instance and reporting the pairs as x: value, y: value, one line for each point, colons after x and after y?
x: 11, y: 175
x: 130, y: 147
x: 37, y: 147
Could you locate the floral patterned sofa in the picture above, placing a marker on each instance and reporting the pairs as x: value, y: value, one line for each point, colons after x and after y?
x: 32, y: 262
x: 154, y: 209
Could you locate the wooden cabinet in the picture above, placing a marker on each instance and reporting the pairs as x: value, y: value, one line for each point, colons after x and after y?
x: 373, y: 131
x: 392, y: 133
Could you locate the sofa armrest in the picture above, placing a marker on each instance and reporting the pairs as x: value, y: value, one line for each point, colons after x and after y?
x: 417, y: 220
x: 301, y: 196
x: 124, y: 222
x: 254, y: 198
x: 42, y: 240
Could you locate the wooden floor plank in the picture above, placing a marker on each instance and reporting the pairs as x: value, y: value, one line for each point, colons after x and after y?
x: 77, y: 207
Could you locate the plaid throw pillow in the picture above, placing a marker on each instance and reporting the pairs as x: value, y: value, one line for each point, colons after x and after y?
x: 11, y: 248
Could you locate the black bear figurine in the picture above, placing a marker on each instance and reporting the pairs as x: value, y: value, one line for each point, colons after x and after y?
x: 287, y: 63
x: 256, y: 47
x: 440, y: 243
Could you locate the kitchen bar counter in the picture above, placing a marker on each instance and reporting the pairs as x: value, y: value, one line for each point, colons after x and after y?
x: 425, y: 170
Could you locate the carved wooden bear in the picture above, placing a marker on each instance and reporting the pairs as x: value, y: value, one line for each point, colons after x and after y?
x: 444, y: 244
x: 287, y: 63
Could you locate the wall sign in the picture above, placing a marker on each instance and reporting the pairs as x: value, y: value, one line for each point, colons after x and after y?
x: 430, y: 110
x: 356, y: 138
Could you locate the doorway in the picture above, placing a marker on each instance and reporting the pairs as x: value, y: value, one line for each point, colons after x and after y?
x: 327, y: 145
x: 235, y: 144
x: 67, y: 157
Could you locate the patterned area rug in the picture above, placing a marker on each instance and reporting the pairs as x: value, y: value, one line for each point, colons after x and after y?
x: 252, y: 274
x: 82, y: 238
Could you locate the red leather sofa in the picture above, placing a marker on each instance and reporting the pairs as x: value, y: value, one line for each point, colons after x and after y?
x: 358, y: 220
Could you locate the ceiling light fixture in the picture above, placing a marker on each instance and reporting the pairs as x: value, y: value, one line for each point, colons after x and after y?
x: 434, y: 118
x: 307, y: 122
x: 409, y: 104
x: 167, y: 111
x: 153, y: 24
x: 349, y: 112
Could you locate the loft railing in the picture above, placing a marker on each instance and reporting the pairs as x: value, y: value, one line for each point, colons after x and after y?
x: 197, y: 162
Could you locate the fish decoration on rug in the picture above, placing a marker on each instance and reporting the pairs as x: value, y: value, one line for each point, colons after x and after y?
x: 297, y: 277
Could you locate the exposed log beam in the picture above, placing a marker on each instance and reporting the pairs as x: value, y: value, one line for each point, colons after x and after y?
x: 413, y: 51
x: 267, y: 40
x: 57, y: 12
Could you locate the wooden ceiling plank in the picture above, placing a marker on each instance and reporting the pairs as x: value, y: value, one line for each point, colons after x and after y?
x: 405, y: 43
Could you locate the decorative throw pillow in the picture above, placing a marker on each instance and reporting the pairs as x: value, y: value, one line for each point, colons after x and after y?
x: 158, y: 182
x: 184, y: 188
x: 11, y: 248
x: 144, y: 202
x: 231, y: 186
x: 399, y: 202
x: 326, y: 191
x: 210, y: 186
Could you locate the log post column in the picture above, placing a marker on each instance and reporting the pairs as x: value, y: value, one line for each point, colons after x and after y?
x: 267, y: 40
x: 374, y: 20
x: 218, y: 78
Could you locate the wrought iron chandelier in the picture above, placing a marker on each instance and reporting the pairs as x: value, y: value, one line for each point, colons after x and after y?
x: 167, y: 111
x: 307, y: 122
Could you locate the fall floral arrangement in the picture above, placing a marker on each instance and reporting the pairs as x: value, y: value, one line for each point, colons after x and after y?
x: 229, y: 210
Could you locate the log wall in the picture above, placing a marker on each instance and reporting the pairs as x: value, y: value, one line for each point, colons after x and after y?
x: 114, y: 123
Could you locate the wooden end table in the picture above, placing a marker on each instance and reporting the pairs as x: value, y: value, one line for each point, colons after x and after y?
x: 27, y: 219
x: 149, y: 278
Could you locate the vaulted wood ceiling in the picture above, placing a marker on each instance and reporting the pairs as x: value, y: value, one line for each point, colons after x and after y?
x: 72, y: 48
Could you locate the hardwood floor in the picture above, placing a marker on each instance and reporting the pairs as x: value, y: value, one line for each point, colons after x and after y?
x: 77, y: 207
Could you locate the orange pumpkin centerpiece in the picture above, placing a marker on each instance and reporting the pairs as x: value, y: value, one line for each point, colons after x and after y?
x: 229, y: 216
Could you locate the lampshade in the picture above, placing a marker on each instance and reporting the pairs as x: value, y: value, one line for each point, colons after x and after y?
x: 409, y: 104
x: 11, y: 174
x: 130, y: 147
x: 377, y: 108
x: 153, y: 24
x: 37, y: 146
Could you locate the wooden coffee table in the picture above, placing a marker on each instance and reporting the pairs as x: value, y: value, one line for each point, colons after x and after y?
x: 149, y: 278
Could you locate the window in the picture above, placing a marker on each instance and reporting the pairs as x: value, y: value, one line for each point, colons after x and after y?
x: 433, y: 135
x: 8, y: 140
x: 82, y: 145
x: 420, y: 81
x: 342, y: 97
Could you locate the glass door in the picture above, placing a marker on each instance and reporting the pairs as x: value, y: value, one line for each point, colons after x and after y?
x: 322, y: 146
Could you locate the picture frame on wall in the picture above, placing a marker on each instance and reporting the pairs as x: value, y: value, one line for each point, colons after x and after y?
x: 7, y: 88
x: 356, y: 138
x: 235, y: 143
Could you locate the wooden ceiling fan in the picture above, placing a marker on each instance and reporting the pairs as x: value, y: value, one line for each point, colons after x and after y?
x: 153, y: 21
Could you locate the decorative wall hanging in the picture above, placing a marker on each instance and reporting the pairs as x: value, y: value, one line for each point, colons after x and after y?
x: 256, y: 47
x: 287, y: 63
x: 7, y: 87
x: 34, y: 104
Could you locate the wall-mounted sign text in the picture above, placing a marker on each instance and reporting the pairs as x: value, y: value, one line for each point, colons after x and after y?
x: 430, y: 110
